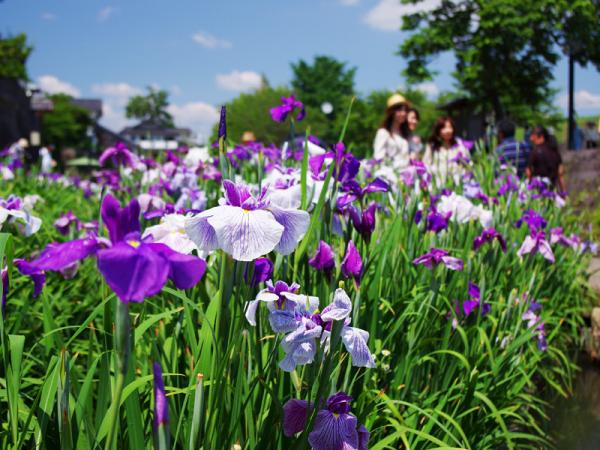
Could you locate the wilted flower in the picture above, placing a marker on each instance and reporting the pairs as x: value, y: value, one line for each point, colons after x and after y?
x: 247, y: 227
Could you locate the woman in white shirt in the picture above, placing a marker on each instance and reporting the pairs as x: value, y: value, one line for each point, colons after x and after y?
x: 445, y: 151
x: 390, y: 145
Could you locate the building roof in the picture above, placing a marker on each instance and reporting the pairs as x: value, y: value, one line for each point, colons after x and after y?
x: 93, y: 105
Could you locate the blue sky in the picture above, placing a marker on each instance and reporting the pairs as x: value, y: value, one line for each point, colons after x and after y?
x: 206, y: 52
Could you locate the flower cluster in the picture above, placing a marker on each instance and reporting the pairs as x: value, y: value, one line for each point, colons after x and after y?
x: 299, y: 317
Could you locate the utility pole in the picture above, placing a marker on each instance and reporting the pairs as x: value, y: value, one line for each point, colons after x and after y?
x: 571, y: 130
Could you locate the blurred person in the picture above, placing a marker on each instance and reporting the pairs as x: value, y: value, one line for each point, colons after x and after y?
x: 544, y: 159
x: 592, y: 136
x: 444, y: 149
x: 47, y: 163
x: 391, y: 144
x: 415, y: 145
x: 510, y: 150
x: 248, y: 137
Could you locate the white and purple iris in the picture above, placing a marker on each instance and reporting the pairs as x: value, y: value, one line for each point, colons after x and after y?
x: 334, y: 426
x: 298, y: 316
x: 247, y: 227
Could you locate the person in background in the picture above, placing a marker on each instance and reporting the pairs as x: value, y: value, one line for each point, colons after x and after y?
x: 391, y: 145
x: 47, y: 163
x: 415, y: 145
x: 592, y: 137
x: 509, y: 150
x: 545, y: 160
x: 444, y: 150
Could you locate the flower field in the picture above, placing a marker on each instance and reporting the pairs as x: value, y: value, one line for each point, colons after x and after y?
x: 284, y: 298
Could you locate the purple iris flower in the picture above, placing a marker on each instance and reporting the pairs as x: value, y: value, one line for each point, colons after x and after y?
x: 488, y: 236
x: 64, y: 222
x: 161, y: 406
x: 352, y: 264
x: 132, y: 267
x: 436, y: 256
x: 135, y: 268
x: 324, y: 258
x: 534, y: 243
x: 119, y: 155
x: 364, y: 222
x: 334, y: 426
x: 263, y: 271
x: 223, y: 123
x: 436, y: 221
x: 288, y: 106
x: 5, y: 288
x: 557, y: 237
x: 247, y: 227
x: 474, y: 302
x: 534, y: 321
x: 533, y: 220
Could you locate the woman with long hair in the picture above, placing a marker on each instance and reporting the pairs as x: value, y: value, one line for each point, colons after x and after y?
x: 415, y: 145
x: 444, y: 150
x: 545, y: 160
x: 390, y: 145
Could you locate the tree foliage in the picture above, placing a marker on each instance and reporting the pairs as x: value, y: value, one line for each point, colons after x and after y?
x: 326, y: 80
x: 14, y: 52
x: 66, y: 125
x: 152, y: 106
x: 505, y: 49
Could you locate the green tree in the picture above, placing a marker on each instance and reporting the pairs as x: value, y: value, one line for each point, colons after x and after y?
x: 152, y: 106
x: 14, y: 52
x: 66, y: 125
x: 250, y: 112
x: 505, y: 49
x: 326, y: 80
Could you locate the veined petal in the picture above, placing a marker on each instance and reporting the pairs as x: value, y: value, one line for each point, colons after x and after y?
x: 201, y: 232
x: 333, y: 431
x: 295, y: 413
x: 244, y: 234
x: 355, y: 341
x: 295, y: 223
x: 339, y: 309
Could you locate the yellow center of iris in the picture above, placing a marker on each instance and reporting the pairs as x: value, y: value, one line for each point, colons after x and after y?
x: 134, y: 244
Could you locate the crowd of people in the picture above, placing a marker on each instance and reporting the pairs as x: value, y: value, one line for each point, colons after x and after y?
x: 396, y: 143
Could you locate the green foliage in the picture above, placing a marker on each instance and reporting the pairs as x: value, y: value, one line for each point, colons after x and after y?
x: 14, y: 52
x: 152, y: 106
x: 326, y: 80
x: 66, y: 125
x: 505, y: 49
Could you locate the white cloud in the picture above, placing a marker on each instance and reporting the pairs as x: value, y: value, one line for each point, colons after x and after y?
x: 198, y: 116
x: 175, y: 90
x: 583, y: 100
x: 105, y: 13
x: 52, y: 85
x: 430, y: 88
x: 207, y: 40
x: 349, y: 2
x: 116, y: 93
x: 48, y: 16
x: 387, y: 14
x: 240, y: 81
x: 114, y: 118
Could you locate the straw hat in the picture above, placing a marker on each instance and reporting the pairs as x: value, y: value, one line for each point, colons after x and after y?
x: 23, y: 143
x: 395, y: 100
x: 248, y: 136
